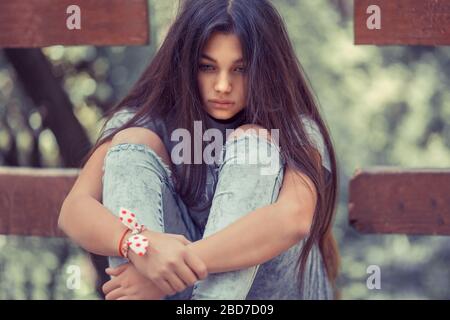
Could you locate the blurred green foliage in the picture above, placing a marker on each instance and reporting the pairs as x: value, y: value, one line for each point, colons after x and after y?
x: 384, y: 106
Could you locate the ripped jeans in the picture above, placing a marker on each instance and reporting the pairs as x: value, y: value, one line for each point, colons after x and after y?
x: 135, y: 177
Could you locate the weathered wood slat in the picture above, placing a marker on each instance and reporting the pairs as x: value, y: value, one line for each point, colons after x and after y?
x: 413, y: 22
x: 31, y: 199
x: 389, y: 200
x: 381, y: 200
x: 40, y: 23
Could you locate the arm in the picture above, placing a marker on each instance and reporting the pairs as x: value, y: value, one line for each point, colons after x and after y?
x: 91, y: 225
x: 265, y: 232
x: 82, y: 216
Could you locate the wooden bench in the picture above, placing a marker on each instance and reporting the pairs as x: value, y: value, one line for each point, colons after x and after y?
x: 402, y: 22
x: 390, y: 200
x: 381, y: 200
x: 31, y: 199
x: 394, y: 200
x: 41, y: 23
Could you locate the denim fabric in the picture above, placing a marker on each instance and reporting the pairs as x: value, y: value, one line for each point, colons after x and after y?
x: 135, y: 177
x: 164, y: 126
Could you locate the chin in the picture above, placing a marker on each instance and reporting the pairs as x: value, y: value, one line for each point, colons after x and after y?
x: 222, y: 114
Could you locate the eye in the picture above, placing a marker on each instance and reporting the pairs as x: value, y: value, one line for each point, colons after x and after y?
x: 206, y: 67
x: 241, y: 69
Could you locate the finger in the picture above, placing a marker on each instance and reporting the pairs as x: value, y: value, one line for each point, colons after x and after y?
x: 125, y: 298
x: 165, y: 287
x: 116, y: 293
x: 196, y: 265
x: 116, y: 271
x: 186, y: 275
x: 110, y: 285
x: 176, y: 283
x: 184, y: 240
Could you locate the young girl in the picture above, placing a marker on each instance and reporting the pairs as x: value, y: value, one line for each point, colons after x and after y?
x: 222, y: 229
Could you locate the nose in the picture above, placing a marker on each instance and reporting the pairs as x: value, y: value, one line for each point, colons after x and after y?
x: 222, y: 84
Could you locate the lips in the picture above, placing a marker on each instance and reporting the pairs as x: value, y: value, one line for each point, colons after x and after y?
x: 218, y: 105
x: 222, y: 101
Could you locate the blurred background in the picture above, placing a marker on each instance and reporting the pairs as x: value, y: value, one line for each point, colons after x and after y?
x: 387, y: 106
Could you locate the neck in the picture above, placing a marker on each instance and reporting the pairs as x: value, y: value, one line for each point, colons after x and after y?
x: 227, y: 121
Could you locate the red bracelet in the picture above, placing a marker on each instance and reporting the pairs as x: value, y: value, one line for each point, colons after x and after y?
x: 121, y: 241
x: 137, y: 242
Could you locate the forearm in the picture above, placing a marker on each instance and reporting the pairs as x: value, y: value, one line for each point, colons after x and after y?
x: 91, y: 225
x: 253, y: 239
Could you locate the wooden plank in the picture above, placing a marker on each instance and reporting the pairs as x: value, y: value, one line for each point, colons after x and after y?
x: 404, y: 22
x: 40, y: 23
x: 390, y: 200
x: 31, y: 199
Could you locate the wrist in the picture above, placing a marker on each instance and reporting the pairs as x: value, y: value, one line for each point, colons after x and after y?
x: 117, y: 240
x: 134, y: 257
x: 123, y: 247
x: 132, y: 238
x: 150, y: 234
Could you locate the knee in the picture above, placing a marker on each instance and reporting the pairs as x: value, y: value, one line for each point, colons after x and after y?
x: 138, y: 135
x: 259, y: 153
x: 250, y: 129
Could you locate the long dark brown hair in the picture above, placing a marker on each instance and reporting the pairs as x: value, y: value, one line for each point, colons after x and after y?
x: 278, y: 95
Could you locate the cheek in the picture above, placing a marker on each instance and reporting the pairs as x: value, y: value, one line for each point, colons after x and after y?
x: 243, y: 91
x: 202, y: 85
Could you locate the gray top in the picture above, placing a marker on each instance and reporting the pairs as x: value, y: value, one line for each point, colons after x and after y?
x: 199, y: 215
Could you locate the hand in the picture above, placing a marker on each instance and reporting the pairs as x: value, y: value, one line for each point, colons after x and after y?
x: 169, y: 263
x: 129, y: 284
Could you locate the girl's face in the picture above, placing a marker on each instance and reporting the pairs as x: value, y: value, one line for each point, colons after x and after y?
x: 222, y: 76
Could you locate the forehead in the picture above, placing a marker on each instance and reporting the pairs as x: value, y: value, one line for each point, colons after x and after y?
x: 223, y: 46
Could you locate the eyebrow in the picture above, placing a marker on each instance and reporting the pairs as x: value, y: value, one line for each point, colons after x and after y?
x: 209, y: 58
